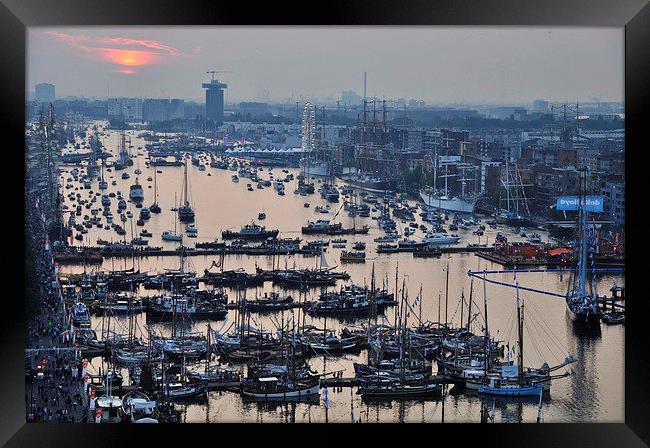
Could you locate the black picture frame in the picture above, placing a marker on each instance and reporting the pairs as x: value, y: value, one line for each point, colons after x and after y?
x: 634, y: 15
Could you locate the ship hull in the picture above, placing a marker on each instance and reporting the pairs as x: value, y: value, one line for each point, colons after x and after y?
x: 510, y: 391
x: 455, y: 205
x: 371, y: 186
x: 313, y: 390
x: 587, y: 320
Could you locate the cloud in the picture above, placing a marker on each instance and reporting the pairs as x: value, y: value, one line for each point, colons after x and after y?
x: 131, y: 52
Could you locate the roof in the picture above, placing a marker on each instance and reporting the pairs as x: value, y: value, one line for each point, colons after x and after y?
x: 558, y: 251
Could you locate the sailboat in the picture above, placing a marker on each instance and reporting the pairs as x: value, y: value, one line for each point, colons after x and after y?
x: 513, y: 380
x: 442, y: 200
x: 103, y: 185
x: 581, y: 299
x: 124, y: 158
x: 273, y: 383
x: 402, y: 382
x: 155, y: 208
x: 516, y: 213
x: 168, y: 235
x: 185, y: 211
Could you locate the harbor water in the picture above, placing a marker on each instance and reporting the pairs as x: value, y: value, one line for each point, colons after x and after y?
x: 594, y: 392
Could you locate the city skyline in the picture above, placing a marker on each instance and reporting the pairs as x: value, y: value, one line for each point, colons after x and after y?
x: 487, y: 64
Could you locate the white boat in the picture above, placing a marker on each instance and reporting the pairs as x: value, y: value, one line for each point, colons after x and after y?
x: 440, y: 238
x: 314, y: 168
x: 447, y: 203
x: 109, y: 409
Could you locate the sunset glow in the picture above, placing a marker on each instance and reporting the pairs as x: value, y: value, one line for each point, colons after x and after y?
x: 129, y: 58
x: 137, y: 53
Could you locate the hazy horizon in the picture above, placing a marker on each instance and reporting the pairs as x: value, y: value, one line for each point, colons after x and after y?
x: 433, y: 64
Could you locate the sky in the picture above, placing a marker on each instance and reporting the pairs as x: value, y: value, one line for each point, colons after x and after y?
x: 434, y: 64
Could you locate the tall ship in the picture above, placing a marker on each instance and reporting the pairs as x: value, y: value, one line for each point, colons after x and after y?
x: 442, y: 198
x: 124, y: 158
x: 185, y: 211
x: 582, y: 299
x: 516, y: 212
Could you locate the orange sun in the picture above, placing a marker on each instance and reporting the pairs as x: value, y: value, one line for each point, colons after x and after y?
x: 128, y: 58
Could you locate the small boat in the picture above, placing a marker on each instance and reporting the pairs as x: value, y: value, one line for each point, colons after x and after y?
x: 109, y: 409
x: 146, y: 234
x: 261, y: 216
x: 393, y: 387
x: 180, y: 391
x: 168, y: 235
x: 139, y: 241
x: 614, y: 318
x: 270, y: 388
x: 353, y: 256
x: 510, y: 389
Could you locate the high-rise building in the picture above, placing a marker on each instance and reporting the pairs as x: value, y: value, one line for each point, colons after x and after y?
x: 214, y: 99
x: 125, y: 108
x: 156, y: 110
x: 177, y: 109
x: 44, y: 93
x: 132, y: 108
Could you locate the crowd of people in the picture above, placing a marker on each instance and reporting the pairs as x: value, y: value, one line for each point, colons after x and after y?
x: 55, y: 387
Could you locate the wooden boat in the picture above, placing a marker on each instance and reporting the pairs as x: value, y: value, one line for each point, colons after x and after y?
x: 390, y: 387
x: 273, y: 388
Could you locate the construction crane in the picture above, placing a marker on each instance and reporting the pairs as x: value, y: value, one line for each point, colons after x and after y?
x: 213, y: 72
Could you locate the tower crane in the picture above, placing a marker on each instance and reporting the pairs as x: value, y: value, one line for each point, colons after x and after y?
x: 213, y: 72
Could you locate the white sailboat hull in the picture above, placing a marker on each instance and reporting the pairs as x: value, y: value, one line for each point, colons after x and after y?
x: 453, y: 204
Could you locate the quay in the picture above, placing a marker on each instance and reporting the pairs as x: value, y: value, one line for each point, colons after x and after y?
x: 235, y: 386
x: 443, y: 250
x: 520, y: 261
x: 252, y: 251
x: 203, y: 252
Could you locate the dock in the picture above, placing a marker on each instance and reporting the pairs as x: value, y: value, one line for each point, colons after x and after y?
x: 356, y: 382
x: 235, y: 386
x: 145, y: 252
x: 442, y: 249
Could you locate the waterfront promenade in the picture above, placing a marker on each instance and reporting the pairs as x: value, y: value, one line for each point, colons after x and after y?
x: 55, y: 390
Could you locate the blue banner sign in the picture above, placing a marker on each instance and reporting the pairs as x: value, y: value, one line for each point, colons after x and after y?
x: 591, y: 203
